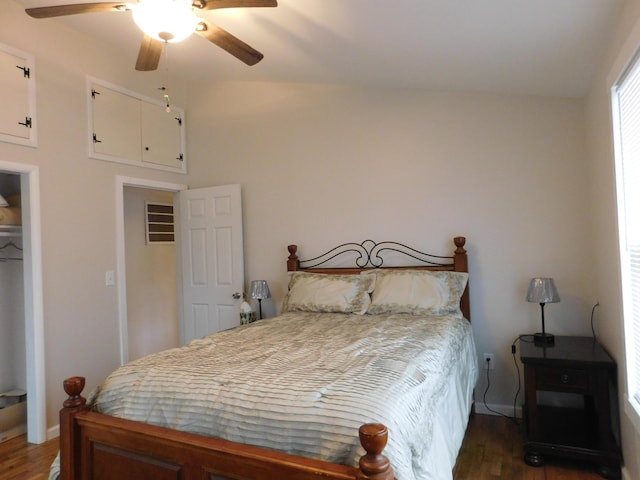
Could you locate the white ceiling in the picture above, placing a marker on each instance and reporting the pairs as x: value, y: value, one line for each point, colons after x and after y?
x: 540, y: 47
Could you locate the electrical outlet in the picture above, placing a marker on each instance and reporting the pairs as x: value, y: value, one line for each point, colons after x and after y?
x: 488, y: 361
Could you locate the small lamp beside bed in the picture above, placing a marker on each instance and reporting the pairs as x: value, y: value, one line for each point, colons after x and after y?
x: 542, y: 291
x: 260, y: 291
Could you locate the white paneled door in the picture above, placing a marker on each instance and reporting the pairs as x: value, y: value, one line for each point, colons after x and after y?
x: 212, y: 260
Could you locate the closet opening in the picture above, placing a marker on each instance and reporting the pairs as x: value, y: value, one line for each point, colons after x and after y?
x: 22, y: 378
x: 13, y: 356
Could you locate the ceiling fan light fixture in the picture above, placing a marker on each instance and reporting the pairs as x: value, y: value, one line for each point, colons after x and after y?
x: 165, y: 20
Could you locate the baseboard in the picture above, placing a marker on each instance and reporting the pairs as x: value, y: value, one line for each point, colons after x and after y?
x: 53, y: 432
x: 493, y: 409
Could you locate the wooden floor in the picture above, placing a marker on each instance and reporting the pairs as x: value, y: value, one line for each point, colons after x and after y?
x: 492, y: 449
x: 20, y: 460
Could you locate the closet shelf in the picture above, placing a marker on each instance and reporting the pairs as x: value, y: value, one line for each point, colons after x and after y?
x: 10, y: 230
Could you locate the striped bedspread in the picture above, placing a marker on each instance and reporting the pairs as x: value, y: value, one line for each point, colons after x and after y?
x: 303, y: 383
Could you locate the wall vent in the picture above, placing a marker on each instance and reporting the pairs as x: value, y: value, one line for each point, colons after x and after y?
x: 160, y: 223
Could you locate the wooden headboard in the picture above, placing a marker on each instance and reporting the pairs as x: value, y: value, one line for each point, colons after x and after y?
x: 370, y: 255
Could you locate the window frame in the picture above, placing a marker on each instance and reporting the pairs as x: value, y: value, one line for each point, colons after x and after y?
x: 632, y: 380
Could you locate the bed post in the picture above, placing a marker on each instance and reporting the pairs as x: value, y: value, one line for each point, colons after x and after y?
x: 460, y: 264
x: 374, y: 465
x: 293, y: 262
x: 460, y: 255
x: 69, y: 438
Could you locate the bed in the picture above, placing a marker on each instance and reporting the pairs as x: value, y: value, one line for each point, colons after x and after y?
x: 385, y: 351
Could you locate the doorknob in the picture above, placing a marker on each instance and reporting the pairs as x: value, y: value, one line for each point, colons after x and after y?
x: 236, y: 295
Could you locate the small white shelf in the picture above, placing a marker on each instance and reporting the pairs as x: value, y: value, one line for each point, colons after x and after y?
x: 10, y: 230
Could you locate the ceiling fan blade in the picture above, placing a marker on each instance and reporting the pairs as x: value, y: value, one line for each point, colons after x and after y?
x: 149, y: 54
x: 62, y: 10
x: 228, y: 42
x: 215, y: 4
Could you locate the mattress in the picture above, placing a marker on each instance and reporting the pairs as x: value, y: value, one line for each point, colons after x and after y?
x: 303, y: 383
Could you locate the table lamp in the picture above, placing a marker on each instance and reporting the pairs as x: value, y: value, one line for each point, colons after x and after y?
x: 260, y: 291
x: 542, y: 291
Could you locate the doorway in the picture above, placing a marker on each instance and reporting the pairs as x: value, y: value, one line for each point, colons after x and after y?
x: 150, y: 251
x: 130, y: 195
x: 212, y: 259
x: 32, y: 311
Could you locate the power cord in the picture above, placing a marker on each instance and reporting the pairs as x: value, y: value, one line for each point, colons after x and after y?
x: 484, y: 396
x: 593, y: 332
x: 519, y: 338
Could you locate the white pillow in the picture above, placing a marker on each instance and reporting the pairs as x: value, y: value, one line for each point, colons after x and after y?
x: 318, y: 292
x: 419, y: 292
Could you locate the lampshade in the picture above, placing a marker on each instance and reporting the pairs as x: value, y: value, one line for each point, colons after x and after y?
x: 3, y: 202
x: 165, y: 20
x: 260, y: 290
x: 542, y: 290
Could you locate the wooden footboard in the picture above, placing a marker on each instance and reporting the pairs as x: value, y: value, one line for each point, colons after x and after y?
x: 100, y: 447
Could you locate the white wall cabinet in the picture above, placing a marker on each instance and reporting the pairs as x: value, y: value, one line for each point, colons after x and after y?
x: 17, y: 97
x: 161, y: 139
x: 129, y: 128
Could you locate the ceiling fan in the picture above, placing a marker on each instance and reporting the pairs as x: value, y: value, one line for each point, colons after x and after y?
x: 168, y: 21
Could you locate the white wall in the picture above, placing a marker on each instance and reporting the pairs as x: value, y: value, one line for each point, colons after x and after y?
x: 606, y: 279
x: 321, y: 165
x: 152, y: 306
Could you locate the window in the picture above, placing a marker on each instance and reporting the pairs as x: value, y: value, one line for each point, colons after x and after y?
x: 626, y: 123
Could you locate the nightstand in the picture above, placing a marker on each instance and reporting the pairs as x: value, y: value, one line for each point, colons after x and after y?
x: 586, y: 426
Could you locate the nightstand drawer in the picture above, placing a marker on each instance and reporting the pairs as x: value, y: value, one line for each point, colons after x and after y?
x: 563, y: 379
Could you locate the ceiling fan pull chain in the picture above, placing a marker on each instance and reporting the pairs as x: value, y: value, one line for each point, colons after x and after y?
x: 167, y: 103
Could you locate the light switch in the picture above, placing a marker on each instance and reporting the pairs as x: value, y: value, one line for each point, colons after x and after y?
x: 109, y: 278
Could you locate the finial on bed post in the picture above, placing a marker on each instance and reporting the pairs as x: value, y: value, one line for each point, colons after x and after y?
x: 460, y: 264
x: 69, y: 441
x: 73, y: 387
x: 374, y: 465
x: 293, y: 263
x: 460, y: 255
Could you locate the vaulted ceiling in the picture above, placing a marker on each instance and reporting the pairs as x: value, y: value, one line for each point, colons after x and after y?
x: 542, y: 47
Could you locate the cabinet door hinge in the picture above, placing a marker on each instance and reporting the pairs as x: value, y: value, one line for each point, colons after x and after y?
x: 26, y: 71
x: 27, y: 122
x: 95, y: 139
